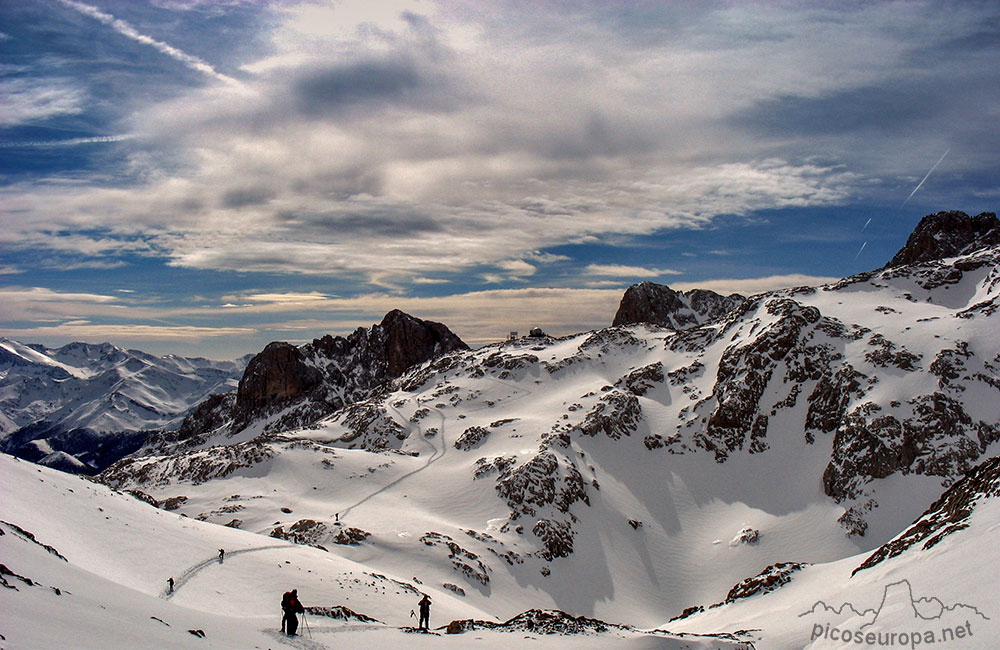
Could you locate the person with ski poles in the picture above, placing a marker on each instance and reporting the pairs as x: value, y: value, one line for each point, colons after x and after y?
x: 291, y: 606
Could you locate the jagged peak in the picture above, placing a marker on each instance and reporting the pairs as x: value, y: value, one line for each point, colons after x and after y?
x: 947, y: 234
x: 649, y: 302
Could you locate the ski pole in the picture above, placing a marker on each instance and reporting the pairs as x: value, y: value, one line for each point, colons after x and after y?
x: 305, y: 620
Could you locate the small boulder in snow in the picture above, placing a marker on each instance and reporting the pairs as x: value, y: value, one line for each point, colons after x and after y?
x: 747, y: 535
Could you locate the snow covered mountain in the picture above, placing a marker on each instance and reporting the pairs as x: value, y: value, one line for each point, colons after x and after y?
x: 287, y: 386
x: 82, y: 406
x: 747, y: 476
x: 657, y: 467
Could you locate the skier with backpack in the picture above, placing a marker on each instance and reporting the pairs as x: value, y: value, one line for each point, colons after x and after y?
x: 290, y: 606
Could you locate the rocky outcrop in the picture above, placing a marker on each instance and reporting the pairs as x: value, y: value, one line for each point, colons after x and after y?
x: 407, y: 341
x: 947, y: 515
x: 773, y: 577
x: 308, y: 382
x: 764, y: 582
x: 538, y: 621
x: 547, y: 479
x: 648, y: 302
x: 342, y: 613
x: 939, y: 439
x: 947, y: 234
x: 277, y: 374
x: 464, y: 561
x: 303, y: 531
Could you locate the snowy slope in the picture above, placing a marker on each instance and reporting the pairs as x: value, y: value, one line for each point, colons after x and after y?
x: 935, y: 583
x: 86, y: 567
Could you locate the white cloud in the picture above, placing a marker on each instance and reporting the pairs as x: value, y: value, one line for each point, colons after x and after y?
x: 97, y: 333
x: 622, y: 271
x: 39, y: 303
x: 749, y: 286
x: 381, y: 146
x: 517, y: 268
x: 27, y: 100
x: 288, y: 298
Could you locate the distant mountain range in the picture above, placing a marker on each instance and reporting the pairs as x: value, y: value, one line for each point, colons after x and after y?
x: 81, y: 406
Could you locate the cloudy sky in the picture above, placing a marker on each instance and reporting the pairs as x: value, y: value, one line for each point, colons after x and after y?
x: 205, y: 177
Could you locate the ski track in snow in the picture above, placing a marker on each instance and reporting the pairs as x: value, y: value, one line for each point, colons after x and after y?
x: 297, y: 641
x: 192, y: 571
x: 437, y: 453
x: 434, y: 457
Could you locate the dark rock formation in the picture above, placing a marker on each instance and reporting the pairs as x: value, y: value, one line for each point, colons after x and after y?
x: 278, y: 373
x: 538, y: 621
x: 616, y: 414
x: 462, y: 560
x: 350, y: 536
x: 303, y: 531
x: 948, y: 234
x: 766, y: 581
x: 315, y: 379
x: 547, y: 479
x: 342, y: 613
x: 408, y: 341
x: 947, y: 515
x: 648, y: 302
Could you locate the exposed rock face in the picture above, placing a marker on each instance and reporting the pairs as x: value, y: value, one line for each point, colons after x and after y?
x: 313, y: 380
x: 303, y: 531
x: 764, y: 582
x: 342, y: 613
x: 539, y: 621
x: 278, y: 373
x: 465, y: 562
x: 648, y: 302
x: 948, y: 234
x: 947, y: 515
x: 408, y: 341
x: 773, y: 577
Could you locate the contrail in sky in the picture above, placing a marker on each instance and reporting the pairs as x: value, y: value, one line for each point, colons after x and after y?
x: 127, y: 30
x: 72, y: 142
x: 928, y: 174
x: 866, y: 224
x: 860, y: 249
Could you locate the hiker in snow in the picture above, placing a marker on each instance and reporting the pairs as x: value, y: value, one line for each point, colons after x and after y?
x: 170, y: 585
x: 222, y: 555
x: 285, y: 598
x: 425, y: 613
x: 291, y: 606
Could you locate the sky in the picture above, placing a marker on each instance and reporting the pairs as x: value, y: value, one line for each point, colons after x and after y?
x: 201, y: 178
